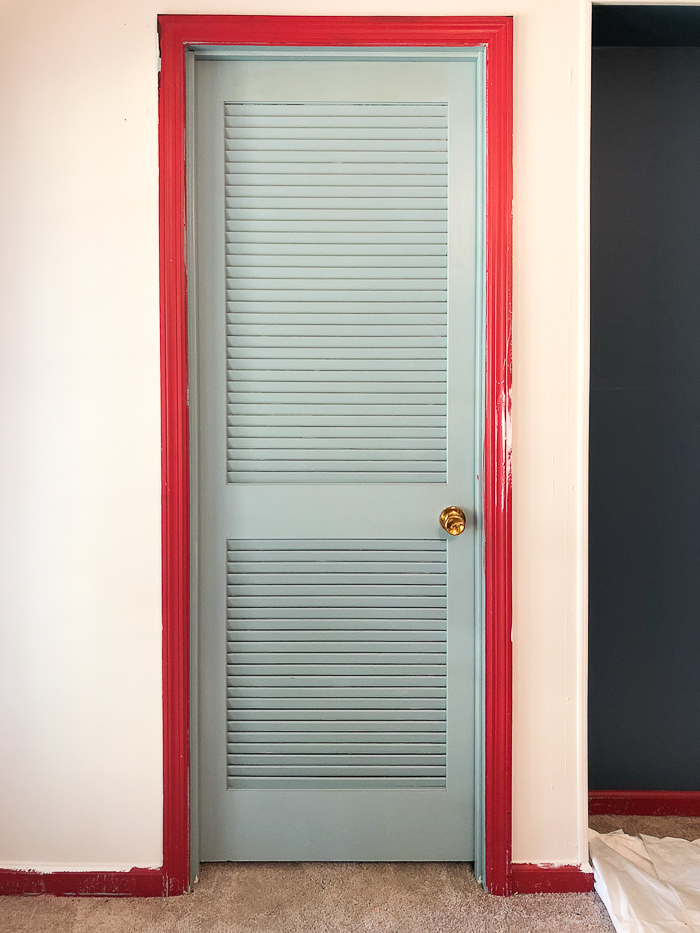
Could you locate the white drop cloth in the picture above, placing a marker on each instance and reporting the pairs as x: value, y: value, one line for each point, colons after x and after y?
x: 648, y: 885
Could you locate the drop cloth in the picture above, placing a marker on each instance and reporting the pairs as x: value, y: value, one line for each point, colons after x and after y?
x: 648, y: 885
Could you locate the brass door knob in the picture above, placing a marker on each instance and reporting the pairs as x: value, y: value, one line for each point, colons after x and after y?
x: 453, y: 520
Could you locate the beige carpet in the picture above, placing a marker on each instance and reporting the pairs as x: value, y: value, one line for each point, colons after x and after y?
x: 680, y: 827
x: 316, y: 898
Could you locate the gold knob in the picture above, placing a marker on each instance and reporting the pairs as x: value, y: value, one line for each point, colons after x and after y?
x: 453, y: 520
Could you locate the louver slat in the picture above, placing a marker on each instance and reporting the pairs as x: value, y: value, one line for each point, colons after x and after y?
x: 336, y: 287
x: 330, y: 682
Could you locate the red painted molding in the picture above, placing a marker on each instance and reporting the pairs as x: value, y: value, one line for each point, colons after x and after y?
x: 645, y: 802
x: 416, y: 31
x: 139, y: 882
x: 175, y: 481
x: 176, y: 34
x: 497, y: 463
x: 550, y: 879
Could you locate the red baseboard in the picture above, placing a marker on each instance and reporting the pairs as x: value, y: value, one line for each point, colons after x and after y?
x: 549, y: 879
x: 144, y: 882
x: 139, y: 882
x: 644, y: 802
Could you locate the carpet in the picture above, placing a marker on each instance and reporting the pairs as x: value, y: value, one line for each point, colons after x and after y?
x: 316, y: 897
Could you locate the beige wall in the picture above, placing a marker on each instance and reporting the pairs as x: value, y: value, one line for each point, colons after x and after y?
x: 80, y: 674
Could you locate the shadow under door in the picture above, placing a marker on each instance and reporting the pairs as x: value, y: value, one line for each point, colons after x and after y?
x: 338, y: 251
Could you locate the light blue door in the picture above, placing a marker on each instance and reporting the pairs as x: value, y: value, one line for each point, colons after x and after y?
x: 337, y: 294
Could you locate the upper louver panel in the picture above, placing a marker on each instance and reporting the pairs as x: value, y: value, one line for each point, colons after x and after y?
x: 337, y: 278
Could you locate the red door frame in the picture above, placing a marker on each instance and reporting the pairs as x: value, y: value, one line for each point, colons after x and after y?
x: 177, y: 33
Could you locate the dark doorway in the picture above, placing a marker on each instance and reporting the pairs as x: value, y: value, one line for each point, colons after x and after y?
x: 644, y: 709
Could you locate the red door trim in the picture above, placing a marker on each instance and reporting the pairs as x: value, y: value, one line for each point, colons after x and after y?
x: 176, y: 34
x: 498, y: 678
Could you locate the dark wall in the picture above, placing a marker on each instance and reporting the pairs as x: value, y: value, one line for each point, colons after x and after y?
x: 644, y: 706
x: 650, y: 25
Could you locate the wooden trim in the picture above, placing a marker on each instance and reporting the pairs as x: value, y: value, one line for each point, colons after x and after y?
x: 176, y: 34
x: 416, y: 31
x: 644, y: 802
x: 139, y: 882
x: 549, y: 879
x: 175, y: 488
x: 498, y: 675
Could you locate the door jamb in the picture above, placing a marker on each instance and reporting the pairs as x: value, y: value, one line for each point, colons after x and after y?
x: 178, y: 33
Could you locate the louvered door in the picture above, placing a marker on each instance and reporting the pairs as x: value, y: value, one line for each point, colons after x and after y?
x: 337, y: 287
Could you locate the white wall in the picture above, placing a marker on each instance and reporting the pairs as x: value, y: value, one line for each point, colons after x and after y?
x: 80, y: 673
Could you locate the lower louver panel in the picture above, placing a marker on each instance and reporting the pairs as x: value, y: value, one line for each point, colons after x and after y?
x: 336, y: 663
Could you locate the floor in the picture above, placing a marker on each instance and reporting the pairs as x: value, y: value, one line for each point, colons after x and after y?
x: 316, y: 898
x: 680, y: 827
x: 334, y: 898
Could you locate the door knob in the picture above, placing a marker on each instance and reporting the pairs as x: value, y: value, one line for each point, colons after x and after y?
x: 453, y: 520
